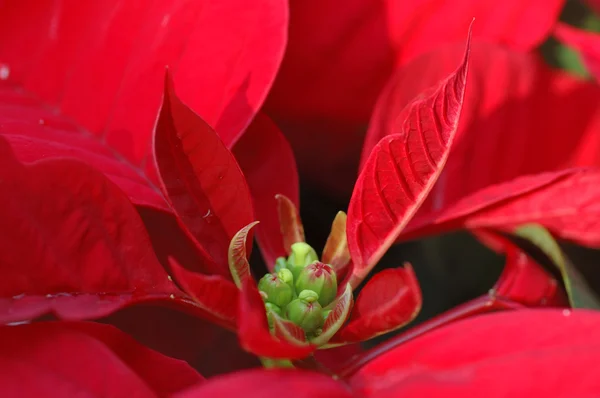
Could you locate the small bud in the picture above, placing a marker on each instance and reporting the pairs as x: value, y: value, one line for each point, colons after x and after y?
x: 309, y: 316
x: 286, y: 276
x: 321, y: 279
x: 270, y: 308
x: 302, y: 255
x: 309, y: 296
x: 278, y: 292
x: 280, y: 263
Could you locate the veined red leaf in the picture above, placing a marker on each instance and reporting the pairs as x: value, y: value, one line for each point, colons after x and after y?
x: 586, y: 43
x: 501, y: 354
x: 253, y: 329
x: 50, y: 359
x: 200, y: 177
x: 504, y: 121
x: 401, y: 171
x: 268, y: 163
x: 215, y: 296
x: 335, y: 252
x: 271, y: 383
x: 71, y: 243
x: 78, y: 80
x: 390, y: 300
x: 292, y: 230
x: 288, y: 331
x: 238, y: 257
x: 340, y: 310
x: 338, y: 61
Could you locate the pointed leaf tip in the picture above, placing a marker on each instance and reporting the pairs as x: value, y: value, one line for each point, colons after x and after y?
x: 336, y: 251
x: 290, y: 222
x: 337, y: 317
x: 402, y: 169
x: 237, y: 255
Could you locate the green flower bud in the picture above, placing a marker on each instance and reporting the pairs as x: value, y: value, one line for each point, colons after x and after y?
x: 309, y: 316
x: 286, y: 276
x: 270, y: 308
x: 278, y: 292
x: 321, y: 279
x: 309, y: 296
x: 280, y: 263
x: 302, y: 255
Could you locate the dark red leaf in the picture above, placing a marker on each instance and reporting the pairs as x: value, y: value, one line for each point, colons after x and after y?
x: 390, y: 300
x: 506, y: 129
x: 268, y: 163
x: 547, y: 353
x: 72, y: 243
x: 66, y: 359
x: 586, y: 43
x: 215, y: 296
x: 253, y: 329
x: 92, y: 73
x: 259, y: 383
x: 339, y: 59
x: 401, y: 171
x: 200, y: 177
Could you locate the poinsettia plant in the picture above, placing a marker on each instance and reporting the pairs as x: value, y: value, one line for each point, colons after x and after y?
x: 124, y: 188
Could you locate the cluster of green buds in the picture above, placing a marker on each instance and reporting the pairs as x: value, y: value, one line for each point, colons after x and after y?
x: 300, y: 289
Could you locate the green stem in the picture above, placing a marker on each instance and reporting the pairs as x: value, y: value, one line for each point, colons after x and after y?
x: 276, y: 363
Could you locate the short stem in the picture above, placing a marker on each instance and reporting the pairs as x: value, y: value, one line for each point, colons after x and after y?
x: 483, y: 304
x: 276, y: 363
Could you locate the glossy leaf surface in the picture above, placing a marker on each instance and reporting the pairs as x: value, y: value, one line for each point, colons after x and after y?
x: 71, y: 243
x: 85, y: 79
x: 402, y: 169
x: 200, y: 177
x: 268, y: 163
x: 52, y: 359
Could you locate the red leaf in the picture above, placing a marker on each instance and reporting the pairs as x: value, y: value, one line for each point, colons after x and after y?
x: 253, y: 329
x: 215, y: 296
x: 238, y: 257
x: 566, y: 203
x: 85, y: 359
x: 401, y: 171
x: 288, y: 331
x: 390, y: 300
x: 339, y: 59
x: 259, y: 383
x: 506, y: 128
x: 200, y: 177
x: 340, y: 310
x: 517, y: 353
x: 526, y: 282
x: 292, y: 230
x: 586, y: 43
x: 72, y: 244
x: 101, y: 65
x: 268, y: 163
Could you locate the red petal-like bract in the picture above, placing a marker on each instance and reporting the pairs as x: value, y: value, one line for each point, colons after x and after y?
x: 339, y: 58
x: 390, y: 300
x: 545, y: 353
x: 253, y: 329
x: 340, y: 310
x: 71, y: 243
x: 402, y: 169
x: 85, y: 79
x: 268, y: 163
x: 586, y: 43
x: 65, y: 359
x: 259, y: 383
x: 290, y: 223
x: 336, y: 252
x: 200, y: 177
x: 505, y: 129
x: 238, y: 255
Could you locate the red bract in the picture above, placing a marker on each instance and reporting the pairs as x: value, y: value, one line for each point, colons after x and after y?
x: 586, y: 43
x: 85, y: 359
x: 339, y: 58
x: 72, y: 244
x: 85, y: 80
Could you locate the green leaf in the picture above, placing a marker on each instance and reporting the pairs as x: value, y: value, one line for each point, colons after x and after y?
x: 580, y: 294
